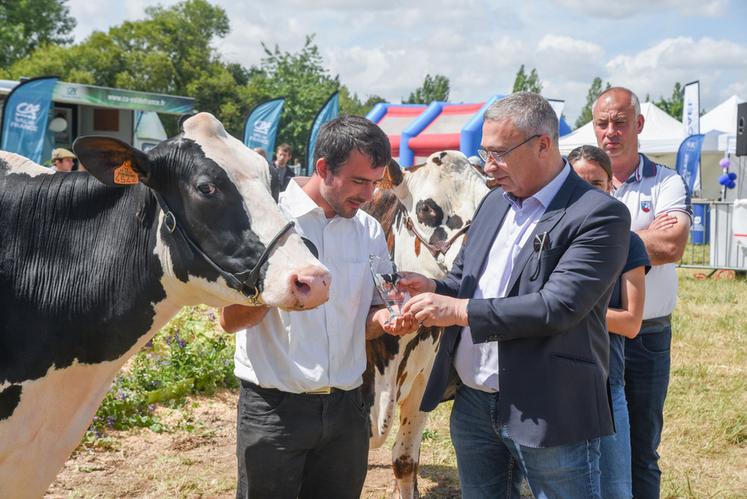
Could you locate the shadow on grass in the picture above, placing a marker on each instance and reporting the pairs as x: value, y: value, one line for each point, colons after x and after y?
x: 446, y: 479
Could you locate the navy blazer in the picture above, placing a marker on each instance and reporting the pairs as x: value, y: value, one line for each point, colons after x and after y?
x: 553, y: 348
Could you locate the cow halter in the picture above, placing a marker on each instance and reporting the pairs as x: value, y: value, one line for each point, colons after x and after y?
x: 245, y: 282
x: 439, y: 248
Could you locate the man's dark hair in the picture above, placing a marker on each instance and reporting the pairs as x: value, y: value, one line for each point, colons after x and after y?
x: 285, y: 148
x: 339, y: 137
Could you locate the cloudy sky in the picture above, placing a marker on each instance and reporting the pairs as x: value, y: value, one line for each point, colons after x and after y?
x: 386, y: 47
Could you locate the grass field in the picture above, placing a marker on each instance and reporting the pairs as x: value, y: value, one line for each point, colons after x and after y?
x: 186, y: 448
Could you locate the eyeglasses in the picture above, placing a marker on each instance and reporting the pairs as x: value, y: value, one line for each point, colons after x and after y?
x: 499, y: 157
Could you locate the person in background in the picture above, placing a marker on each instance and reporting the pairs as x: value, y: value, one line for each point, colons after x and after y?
x: 282, y: 164
x: 659, y: 204
x: 63, y: 160
x: 303, y: 428
x: 624, y: 317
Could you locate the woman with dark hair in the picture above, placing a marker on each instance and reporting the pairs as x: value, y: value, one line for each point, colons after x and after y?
x: 624, y: 317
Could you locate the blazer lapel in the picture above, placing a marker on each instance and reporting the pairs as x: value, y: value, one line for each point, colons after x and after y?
x: 547, y: 222
x: 483, y: 241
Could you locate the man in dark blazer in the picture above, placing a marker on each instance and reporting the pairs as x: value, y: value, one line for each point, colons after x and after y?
x: 526, y: 301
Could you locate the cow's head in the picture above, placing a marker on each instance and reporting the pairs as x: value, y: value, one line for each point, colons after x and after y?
x: 224, y: 216
x: 440, y: 198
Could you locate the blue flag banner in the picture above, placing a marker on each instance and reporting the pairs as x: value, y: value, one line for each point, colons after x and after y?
x: 262, y: 124
x: 329, y: 111
x: 688, y: 160
x: 25, y: 116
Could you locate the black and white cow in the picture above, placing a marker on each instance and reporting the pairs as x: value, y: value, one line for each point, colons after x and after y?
x: 425, y: 213
x: 92, y: 265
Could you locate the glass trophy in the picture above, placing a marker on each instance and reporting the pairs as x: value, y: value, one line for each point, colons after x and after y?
x: 386, y: 284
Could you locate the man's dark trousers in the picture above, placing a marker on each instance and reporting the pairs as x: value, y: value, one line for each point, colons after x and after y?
x: 306, y: 446
x: 647, y: 361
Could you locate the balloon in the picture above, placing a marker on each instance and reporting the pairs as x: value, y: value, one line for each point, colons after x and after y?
x: 725, y: 163
x: 731, y: 184
x: 724, y: 179
x: 732, y: 176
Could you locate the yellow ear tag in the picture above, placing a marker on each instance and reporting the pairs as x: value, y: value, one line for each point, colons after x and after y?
x: 125, y: 175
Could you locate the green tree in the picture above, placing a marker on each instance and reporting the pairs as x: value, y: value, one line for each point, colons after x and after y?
x: 434, y: 88
x: 28, y: 24
x: 673, y: 106
x: 304, y: 82
x: 527, y: 83
x: 352, y: 105
x: 168, y: 52
x: 591, y: 97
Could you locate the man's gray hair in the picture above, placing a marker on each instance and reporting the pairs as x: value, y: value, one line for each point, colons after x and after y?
x: 529, y: 112
x: 634, y: 100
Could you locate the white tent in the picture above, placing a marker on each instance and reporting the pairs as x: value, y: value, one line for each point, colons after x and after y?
x: 661, y: 133
x: 722, y: 121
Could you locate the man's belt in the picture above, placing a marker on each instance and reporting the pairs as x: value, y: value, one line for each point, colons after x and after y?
x: 325, y: 390
x: 657, y: 321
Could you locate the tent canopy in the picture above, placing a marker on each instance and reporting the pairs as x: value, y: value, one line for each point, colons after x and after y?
x: 722, y: 117
x: 661, y: 133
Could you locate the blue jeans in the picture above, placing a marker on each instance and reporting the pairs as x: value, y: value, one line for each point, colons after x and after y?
x: 647, y: 364
x: 614, y: 462
x: 491, y: 465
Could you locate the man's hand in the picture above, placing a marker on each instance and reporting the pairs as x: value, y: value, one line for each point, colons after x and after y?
x: 666, y: 245
x: 234, y: 318
x: 663, y: 222
x: 431, y: 309
x: 415, y: 283
x: 396, y: 326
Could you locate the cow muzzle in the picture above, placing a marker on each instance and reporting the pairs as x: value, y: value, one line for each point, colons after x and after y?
x: 309, y: 287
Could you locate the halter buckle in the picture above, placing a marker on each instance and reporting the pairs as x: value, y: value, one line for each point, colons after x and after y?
x: 169, y: 221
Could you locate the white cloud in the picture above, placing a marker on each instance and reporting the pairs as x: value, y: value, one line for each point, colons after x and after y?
x: 630, y: 8
x: 386, y: 47
x: 717, y: 64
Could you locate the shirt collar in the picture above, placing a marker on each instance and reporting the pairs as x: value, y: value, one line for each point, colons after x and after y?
x: 646, y: 168
x: 545, y: 195
x: 296, y: 201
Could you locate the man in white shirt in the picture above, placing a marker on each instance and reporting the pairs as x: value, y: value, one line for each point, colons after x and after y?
x: 659, y: 204
x: 303, y: 427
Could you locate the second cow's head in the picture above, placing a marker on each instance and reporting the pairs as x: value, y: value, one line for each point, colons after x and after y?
x: 218, y: 191
x: 440, y: 197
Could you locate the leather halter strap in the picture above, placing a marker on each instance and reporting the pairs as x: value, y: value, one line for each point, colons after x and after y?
x: 246, y: 281
x: 440, y: 247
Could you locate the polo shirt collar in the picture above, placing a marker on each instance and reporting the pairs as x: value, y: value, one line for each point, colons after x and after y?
x: 646, y: 169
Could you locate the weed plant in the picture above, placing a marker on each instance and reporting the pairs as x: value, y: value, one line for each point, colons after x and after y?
x: 190, y: 355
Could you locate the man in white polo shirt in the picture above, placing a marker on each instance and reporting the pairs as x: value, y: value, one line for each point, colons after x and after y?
x: 659, y: 204
x: 302, y: 428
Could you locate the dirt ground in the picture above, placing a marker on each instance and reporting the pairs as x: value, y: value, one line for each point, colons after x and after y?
x: 198, y: 460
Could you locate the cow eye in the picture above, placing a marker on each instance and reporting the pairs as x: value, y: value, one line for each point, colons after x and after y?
x: 206, y: 189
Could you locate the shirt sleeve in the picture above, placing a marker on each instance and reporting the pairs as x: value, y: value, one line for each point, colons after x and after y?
x: 637, y: 256
x: 673, y: 196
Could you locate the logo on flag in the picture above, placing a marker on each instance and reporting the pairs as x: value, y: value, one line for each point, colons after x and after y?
x: 646, y: 206
x: 27, y: 110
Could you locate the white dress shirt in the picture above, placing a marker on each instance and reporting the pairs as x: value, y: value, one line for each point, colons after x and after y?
x: 325, y: 347
x: 477, y: 365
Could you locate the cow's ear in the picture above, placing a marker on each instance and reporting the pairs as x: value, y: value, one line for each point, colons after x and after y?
x: 112, y: 161
x: 393, y: 176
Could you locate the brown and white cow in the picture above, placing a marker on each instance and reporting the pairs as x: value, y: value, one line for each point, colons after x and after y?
x: 92, y: 265
x: 425, y: 212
